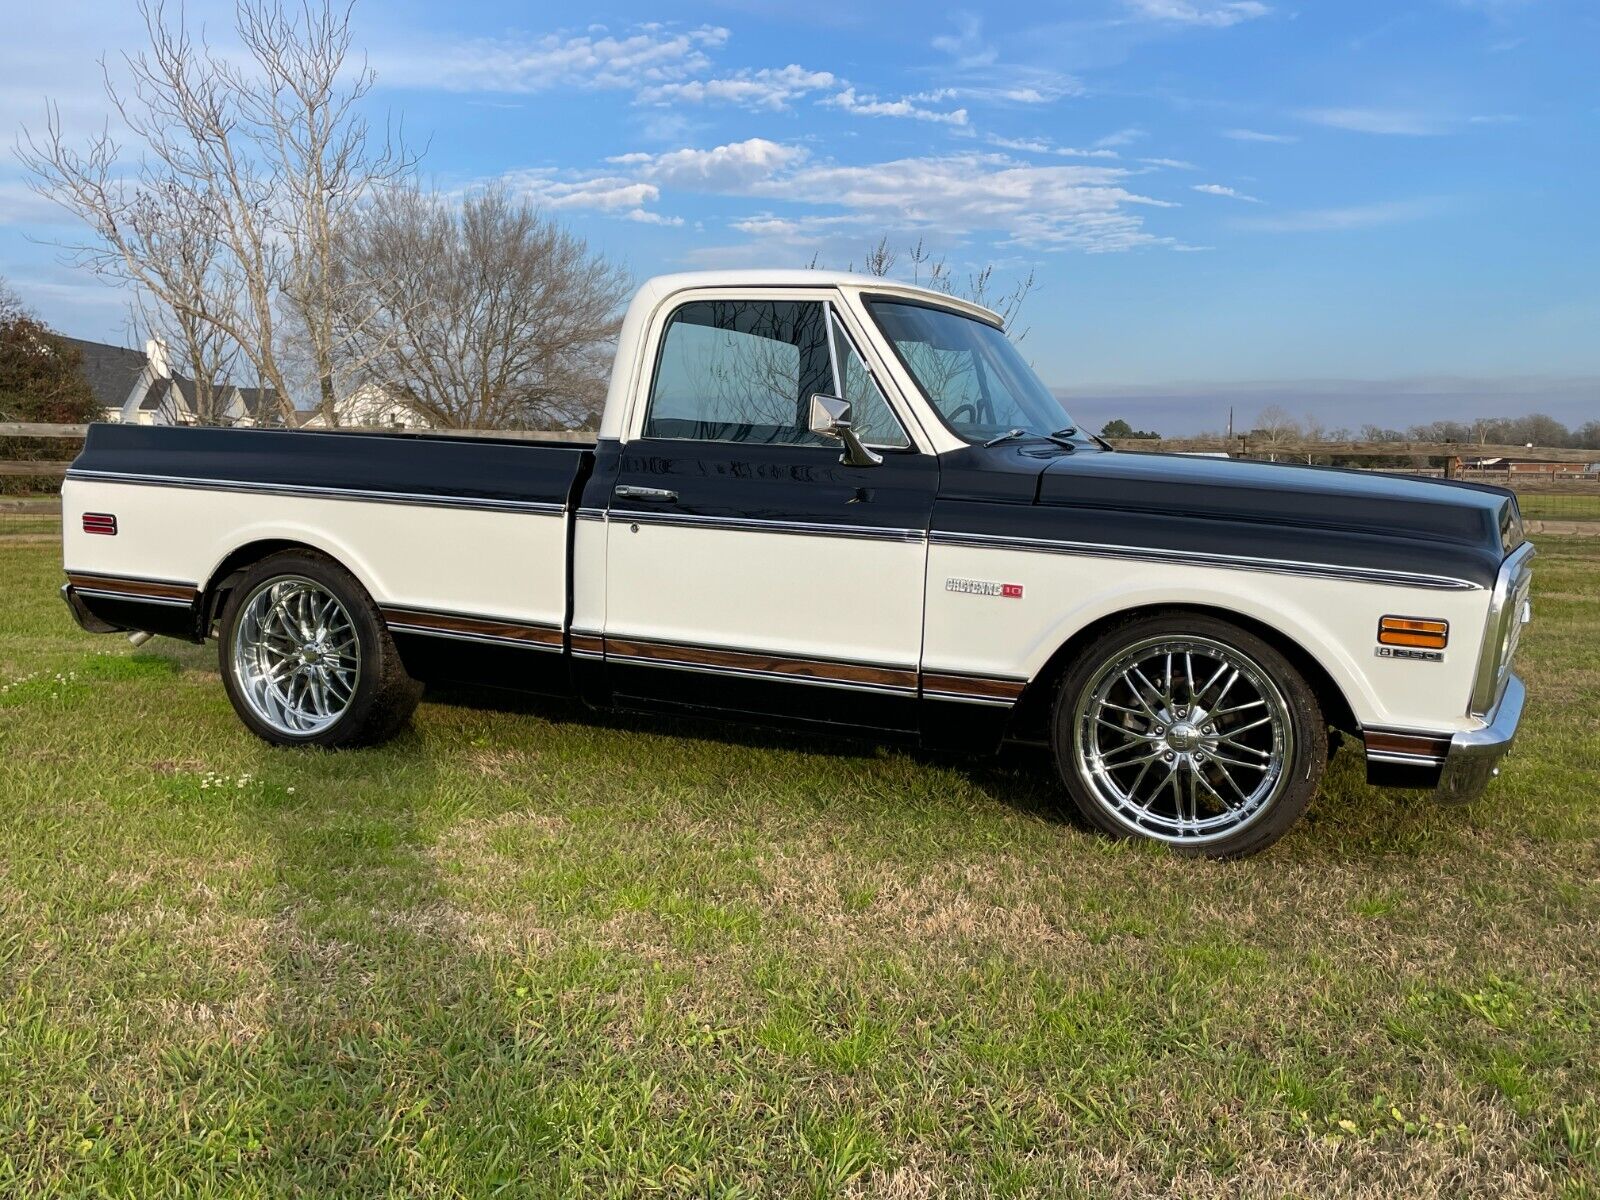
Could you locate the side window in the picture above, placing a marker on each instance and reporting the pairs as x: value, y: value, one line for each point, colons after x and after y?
x: 874, y: 421
x: 740, y: 371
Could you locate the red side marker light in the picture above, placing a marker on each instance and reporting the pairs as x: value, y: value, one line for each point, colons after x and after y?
x: 105, y: 523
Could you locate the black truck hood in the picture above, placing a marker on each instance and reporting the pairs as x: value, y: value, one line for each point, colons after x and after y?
x: 1229, y: 508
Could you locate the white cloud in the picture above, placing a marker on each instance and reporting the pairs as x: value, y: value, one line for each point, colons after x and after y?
x: 966, y: 45
x: 768, y: 88
x: 1217, y: 189
x: 1205, y: 13
x: 1173, y: 164
x: 1039, y: 145
x: 646, y: 217
x: 1377, y: 120
x: 734, y: 167
x: 1255, y: 135
x: 650, y: 55
x: 550, y: 188
x: 1122, y: 137
x: 1054, y: 207
x: 871, y: 106
x: 1360, y: 216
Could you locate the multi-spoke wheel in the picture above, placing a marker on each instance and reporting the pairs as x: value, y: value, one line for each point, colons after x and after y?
x: 306, y: 657
x: 1189, y: 731
x: 296, y: 656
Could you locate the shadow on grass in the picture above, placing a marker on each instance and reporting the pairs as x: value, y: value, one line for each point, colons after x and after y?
x: 387, y: 1026
x: 1020, y: 777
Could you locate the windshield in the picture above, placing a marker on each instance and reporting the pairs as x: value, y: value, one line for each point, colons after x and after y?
x: 971, y: 373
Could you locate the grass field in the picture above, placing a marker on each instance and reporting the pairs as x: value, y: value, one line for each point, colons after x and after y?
x: 541, y: 953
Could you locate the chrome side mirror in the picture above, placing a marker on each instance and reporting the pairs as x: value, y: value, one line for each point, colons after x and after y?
x: 830, y: 418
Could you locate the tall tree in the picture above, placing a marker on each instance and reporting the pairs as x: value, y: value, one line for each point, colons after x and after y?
x: 266, y: 149
x: 482, y: 313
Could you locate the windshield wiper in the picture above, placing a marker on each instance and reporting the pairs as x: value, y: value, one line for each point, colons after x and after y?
x: 1063, y: 437
x: 1005, y: 437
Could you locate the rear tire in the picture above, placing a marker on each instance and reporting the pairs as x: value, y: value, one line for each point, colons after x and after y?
x: 1189, y: 731
x: 307, y: 659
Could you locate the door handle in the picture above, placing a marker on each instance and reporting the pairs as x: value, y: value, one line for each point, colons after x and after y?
x: 626, y: 491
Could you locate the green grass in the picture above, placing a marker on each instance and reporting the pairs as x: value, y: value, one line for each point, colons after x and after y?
x: 1560, y: 506
x: 544, y: 953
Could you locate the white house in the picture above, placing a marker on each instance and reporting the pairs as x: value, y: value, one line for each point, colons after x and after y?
x: 141, y: 388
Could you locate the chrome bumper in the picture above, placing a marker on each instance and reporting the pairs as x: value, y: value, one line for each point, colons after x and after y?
x: 1474, y: 756
x: 86, y: 620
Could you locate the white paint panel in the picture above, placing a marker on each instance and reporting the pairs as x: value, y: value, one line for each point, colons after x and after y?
x: 830, y: 597
x: 458, y: 560
x: 1333, y: 620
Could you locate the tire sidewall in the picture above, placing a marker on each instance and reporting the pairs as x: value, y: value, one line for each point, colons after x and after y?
x: 1302, y: 773
x: 370, y: 636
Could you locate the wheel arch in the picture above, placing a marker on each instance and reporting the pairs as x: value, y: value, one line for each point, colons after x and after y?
x: 1030, y: 722
x: 231, y: 567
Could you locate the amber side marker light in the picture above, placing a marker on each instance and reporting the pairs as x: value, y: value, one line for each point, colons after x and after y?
x: 1421, y: 632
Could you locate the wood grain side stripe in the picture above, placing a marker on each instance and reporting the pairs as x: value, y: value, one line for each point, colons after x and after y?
x: 154, y: 589
x: 416, y: 620
x: 1420, y: 745
x: 815, y: 669
x: 977, y: 687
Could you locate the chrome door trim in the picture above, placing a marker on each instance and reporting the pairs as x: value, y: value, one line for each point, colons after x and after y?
x: 1197, y: 558
x: 324, y: 492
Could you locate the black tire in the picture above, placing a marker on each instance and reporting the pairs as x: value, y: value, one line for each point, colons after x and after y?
x: 383, y: 697
x: 1204, y: 769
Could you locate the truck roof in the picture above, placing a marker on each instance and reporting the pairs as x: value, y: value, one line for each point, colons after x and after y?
x: 661, y: 286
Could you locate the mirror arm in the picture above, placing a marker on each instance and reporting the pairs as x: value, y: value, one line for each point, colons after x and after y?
x: 855, y: 453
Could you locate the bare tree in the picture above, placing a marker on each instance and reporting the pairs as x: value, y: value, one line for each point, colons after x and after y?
x: 185, y: 248
x: 485, y: 314
x: 933, y: 271
x: 268, y: 152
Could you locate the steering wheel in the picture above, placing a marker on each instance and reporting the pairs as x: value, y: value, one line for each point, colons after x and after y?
x: 955, y: 414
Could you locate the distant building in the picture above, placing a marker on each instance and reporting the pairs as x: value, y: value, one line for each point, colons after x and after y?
x: 137, y: 387
x: 370, y: 405
x: 1529, y: 466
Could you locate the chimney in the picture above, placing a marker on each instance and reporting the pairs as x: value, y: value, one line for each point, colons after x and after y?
x: 156, y: 351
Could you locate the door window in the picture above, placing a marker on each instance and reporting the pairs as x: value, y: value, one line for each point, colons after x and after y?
x: 745, y: 371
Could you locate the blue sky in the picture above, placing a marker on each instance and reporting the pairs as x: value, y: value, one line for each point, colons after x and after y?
x: 1369, y: 210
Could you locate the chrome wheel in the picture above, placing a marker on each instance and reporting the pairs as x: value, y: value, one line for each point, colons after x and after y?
x: 1183, y: 739
x: 296, y: 656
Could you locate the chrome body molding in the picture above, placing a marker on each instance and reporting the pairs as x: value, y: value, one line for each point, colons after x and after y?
x: 325, y: 492
x: 1234, y: 562
x: 764, y: 525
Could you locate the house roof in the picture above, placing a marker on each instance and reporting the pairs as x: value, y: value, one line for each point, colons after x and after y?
x: 261, y: 403
x: 111, y: 370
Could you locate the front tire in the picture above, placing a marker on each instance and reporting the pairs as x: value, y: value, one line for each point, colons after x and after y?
x: 1189, y: 731
x: 306, y: 658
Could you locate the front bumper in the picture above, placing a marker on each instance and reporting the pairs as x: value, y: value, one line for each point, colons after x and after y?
x: 1474, y: 756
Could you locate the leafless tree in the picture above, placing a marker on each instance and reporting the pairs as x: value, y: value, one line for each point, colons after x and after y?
x: 933, y: 271
x: 185, y: 248
x: 485, y: 314
x: 267, y: 149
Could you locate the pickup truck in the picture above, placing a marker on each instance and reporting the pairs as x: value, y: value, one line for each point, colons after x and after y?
x: 838, y: 500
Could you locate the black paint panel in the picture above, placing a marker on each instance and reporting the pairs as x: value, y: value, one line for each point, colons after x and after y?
x: 420, y: 466
x: 1191, y: 505
x: 179, y: 621
x: 514, y: 668
x: 635, y: 686
x: 776, y: 483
